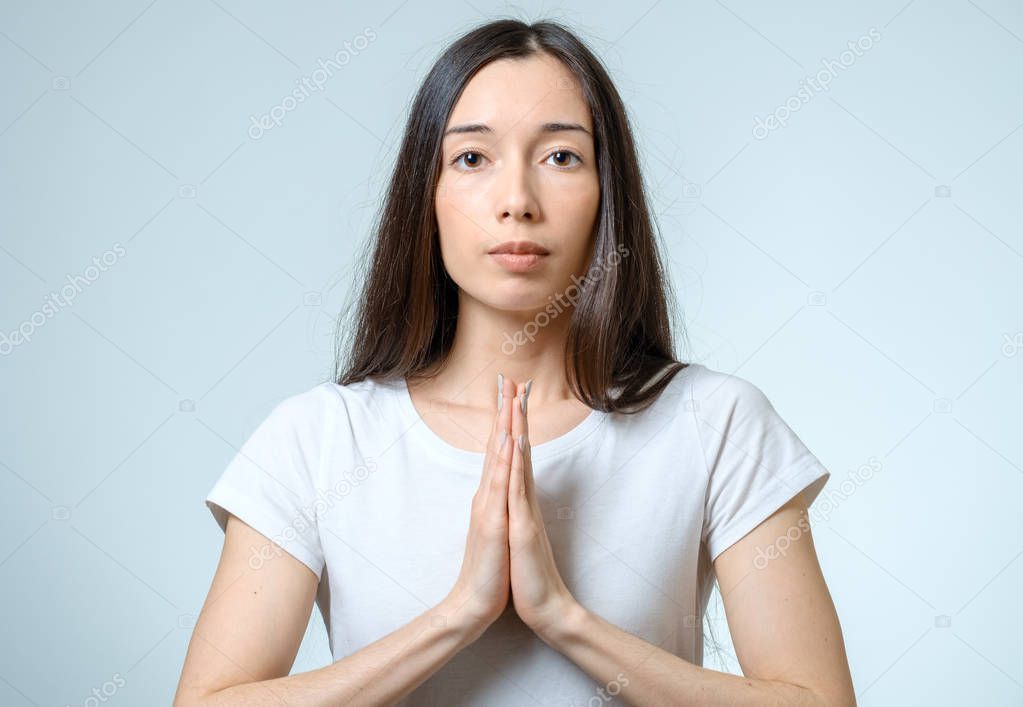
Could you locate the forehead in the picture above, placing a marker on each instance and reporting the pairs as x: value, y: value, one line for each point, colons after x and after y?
x: 522, y: 93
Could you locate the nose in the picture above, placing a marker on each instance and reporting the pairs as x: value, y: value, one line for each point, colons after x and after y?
x: 517, y: 199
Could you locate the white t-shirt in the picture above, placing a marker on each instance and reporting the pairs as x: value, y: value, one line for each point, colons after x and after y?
x: 352, y: 482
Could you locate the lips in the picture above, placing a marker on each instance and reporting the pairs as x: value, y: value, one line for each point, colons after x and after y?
x: 518, y: 262
x: 519, y: 248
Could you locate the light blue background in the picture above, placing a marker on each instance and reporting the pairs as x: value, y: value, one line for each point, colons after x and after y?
x: 862, y: 265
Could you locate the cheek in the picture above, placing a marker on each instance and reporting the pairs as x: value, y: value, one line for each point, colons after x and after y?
x: 458, y: 235
x: 576, y: 212
x: 574, y: 200
x: 457, y: 207
x: 450, y: 220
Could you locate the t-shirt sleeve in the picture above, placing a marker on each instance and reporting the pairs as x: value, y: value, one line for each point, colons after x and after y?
x: 755, y: 461
x: 270, y: 482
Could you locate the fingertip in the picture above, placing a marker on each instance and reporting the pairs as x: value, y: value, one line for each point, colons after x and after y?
x: 516, y: 414
x: 509, y: 396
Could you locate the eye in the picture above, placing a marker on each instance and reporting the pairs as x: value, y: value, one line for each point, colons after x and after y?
x: 566, y: 155
x: 472, y: 164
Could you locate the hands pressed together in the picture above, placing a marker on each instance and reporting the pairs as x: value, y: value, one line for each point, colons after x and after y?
x: 507, y: 550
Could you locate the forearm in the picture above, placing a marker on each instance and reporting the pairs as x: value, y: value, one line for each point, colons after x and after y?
x: 653, y: 676
x: 381, y: 673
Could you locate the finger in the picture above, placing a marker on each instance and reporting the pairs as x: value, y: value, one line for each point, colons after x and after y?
x: 502, y: 461
x: 499, y: 457
x: 517, y: 499
x: 494, y: 440
x: 527, y: 456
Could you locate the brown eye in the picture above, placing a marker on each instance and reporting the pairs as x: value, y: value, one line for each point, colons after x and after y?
x: 471, y: 159
x: 563, y: 158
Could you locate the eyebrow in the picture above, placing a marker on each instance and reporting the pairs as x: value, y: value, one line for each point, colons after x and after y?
x: 486, y: 129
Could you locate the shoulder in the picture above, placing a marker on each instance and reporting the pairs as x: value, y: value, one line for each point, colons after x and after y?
x: 711, y: 393
x: 716, y: 394
x: 718, y: 403
x: 307, y: 406
x: 327, y: 403
x: 312, y: 410
x: 309, y: 422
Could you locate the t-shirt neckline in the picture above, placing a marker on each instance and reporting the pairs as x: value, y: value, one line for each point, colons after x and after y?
x: 424, y: 435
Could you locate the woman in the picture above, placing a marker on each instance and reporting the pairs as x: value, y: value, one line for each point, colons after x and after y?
x: 513, y: 494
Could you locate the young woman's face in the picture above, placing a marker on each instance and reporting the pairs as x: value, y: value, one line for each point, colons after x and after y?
x: 519, y: 169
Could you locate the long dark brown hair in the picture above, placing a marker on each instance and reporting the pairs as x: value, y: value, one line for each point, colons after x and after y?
x: 619, y: 352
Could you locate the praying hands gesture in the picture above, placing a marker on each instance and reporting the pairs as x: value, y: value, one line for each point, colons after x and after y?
x: 507, y: 551
x: 508, y: 554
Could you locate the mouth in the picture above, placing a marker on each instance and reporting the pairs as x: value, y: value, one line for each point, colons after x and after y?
x: 519, y: 256
x: 519, y: 248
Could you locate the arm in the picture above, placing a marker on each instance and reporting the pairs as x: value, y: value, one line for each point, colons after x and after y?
x: 251, y: 625
x: 781, y: 617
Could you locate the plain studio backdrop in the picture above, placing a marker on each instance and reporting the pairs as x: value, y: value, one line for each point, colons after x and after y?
x: 837, y: 190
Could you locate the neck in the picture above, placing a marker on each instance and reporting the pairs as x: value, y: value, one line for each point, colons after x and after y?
x: 521, y: 345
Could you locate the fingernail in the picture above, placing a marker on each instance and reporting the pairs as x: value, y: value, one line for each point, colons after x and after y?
x: 500, y: 391
x: 522, y: 443
x: 525, y: 395
x: 504, y: 438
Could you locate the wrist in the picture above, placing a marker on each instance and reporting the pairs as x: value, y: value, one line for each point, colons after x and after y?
x: 569, y: 625
x: 459, y: 618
